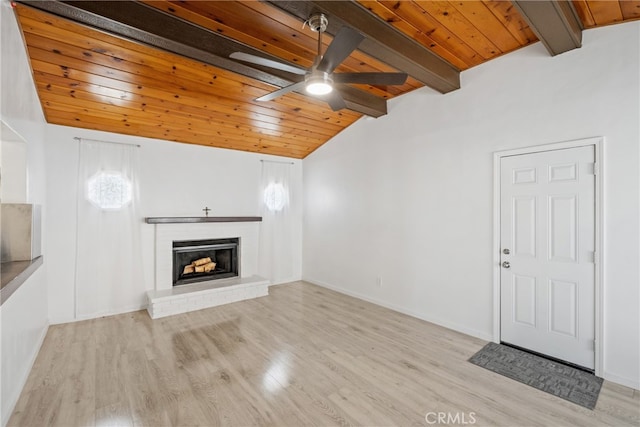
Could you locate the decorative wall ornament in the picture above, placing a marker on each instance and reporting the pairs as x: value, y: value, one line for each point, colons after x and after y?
x: 275, y: 196
x: 109, y: 190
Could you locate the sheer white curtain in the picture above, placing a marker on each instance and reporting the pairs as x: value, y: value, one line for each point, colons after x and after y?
x: 109, y: 275
x: 276, y: 236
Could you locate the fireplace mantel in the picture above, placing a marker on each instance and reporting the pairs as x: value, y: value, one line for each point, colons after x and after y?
x: 199, y: 219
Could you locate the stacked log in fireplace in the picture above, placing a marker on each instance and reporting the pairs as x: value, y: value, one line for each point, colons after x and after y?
x: 202, y: 265
x: 205, y: 260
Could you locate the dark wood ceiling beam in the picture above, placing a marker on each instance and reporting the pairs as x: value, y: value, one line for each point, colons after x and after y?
x: 141, y: 23
x: 382, y: 41
x: 555, y: 22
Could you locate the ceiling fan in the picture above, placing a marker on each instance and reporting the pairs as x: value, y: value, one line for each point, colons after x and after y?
x: 319, y: 80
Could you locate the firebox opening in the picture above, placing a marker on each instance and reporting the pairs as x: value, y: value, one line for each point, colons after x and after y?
x: 202, y: 260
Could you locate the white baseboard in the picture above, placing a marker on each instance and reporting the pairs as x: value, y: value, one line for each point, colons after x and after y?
x: 286, y: 281
x: 60, y: 321
x: 129, y: 309
x: 123, y: 310
x: 440, y: 322
x: 627, y: 382
x: 16, y: 395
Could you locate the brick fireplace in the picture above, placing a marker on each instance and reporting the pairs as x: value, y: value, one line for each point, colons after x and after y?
x: 167, y: 299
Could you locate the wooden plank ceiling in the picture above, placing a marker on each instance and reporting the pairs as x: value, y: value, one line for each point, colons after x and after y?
x: 89, y: 78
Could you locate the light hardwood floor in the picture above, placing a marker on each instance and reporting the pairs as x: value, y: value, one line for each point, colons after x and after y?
x: 302, y: 356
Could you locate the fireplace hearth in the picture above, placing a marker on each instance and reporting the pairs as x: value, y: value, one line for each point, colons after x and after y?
x: 204, y: 260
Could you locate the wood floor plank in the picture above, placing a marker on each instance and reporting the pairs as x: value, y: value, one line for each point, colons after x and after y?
x: 304, y: 355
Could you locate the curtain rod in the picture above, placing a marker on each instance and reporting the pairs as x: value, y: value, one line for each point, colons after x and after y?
x: 275, y: 161
x: 77, y: 138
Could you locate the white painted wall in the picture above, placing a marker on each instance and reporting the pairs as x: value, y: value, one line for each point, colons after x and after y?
x: 13, y: 165
x: 175, y: 180
x: 23, y: 317
x: 407, y: 198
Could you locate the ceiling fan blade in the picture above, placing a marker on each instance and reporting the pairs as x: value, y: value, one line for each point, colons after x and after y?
x: 334, y: 99
x: 258, y: 60
x: 375, y: 79
x: 280, y: 92
x: 345, y: 42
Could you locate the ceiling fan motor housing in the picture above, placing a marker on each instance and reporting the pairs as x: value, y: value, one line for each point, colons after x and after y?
x: 318, y: 22
x: 318, y: 83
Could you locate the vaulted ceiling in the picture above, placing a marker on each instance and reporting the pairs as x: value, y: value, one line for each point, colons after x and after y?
x: 161, y: 69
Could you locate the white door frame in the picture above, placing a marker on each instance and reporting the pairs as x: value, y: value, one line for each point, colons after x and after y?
x: 598, y: 144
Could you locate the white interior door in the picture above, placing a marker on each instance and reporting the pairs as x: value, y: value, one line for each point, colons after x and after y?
x: 547, y: 235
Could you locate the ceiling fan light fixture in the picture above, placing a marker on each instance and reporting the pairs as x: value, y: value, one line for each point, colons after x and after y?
x: 319, y: 84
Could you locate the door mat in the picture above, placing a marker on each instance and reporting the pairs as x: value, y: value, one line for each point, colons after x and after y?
x: 566, y: 382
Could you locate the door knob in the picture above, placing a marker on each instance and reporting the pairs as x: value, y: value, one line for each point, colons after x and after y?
x: 506, y: 251
x: 506, y: 264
